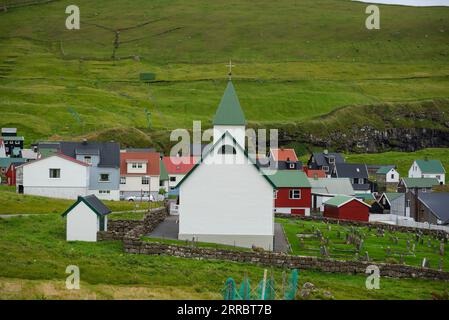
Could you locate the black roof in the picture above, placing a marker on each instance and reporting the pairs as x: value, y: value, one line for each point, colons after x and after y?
x: 285, y: 165
x: 437, y: 203
x: 97, y: 205
x: 109, y: 151
x: 360, y: 187
x: 321, y: 158
x: 351, y: 170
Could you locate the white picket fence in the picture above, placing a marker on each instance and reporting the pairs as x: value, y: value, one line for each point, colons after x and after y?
x: 405, y: 222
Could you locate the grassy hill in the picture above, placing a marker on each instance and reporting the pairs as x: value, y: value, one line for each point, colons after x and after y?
x: 295, y: 60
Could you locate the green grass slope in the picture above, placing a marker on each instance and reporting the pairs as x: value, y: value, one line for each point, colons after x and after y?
x: 295, y: 60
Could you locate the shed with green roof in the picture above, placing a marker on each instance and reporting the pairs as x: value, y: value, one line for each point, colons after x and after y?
x: 346, y: 208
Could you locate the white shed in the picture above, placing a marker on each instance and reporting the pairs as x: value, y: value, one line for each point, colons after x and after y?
x: 85, y: 218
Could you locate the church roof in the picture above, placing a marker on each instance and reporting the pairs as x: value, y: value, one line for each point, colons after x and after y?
x: 229, y: 111
x: 265, y: 176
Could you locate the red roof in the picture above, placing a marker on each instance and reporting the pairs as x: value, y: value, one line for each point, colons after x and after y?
x: 179, y: 165
x: 152, y: 159
x: 284, y: 155
x: 315, y: 173
x: 60, y: 155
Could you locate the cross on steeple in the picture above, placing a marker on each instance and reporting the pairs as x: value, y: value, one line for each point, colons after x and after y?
x: 230, y: 65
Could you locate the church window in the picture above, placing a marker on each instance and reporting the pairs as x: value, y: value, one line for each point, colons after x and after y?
x: 227, y: 149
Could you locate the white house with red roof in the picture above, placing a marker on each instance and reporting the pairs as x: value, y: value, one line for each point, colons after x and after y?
x: 177, y: 167
x: 140, y: 173
x: 56, y: 176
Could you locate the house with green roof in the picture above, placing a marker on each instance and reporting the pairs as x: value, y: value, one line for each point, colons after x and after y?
x: 428, y: 169
x: 346, y: 208
x: 387, y: 177
x: 393, y: 203
x: 293, y: 192
x: 421, y: 184
x: 226, y: 198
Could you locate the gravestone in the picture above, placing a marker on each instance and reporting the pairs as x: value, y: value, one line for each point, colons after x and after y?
x: 440, y: 264
x: 388, y: 251
x: 441, y: 248
x: 429, y: 243
x: 401, y: 259
x: 425, y: 263
x: 413, y: 247
x: 408, y: 245
x: 366, y: 256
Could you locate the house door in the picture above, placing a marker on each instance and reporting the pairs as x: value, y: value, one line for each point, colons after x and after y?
x: 20, y: 189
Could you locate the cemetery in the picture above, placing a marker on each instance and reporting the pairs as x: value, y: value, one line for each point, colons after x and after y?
x: 366, y: 243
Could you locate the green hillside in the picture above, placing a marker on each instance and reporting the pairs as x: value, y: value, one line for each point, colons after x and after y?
x: 295, y: 60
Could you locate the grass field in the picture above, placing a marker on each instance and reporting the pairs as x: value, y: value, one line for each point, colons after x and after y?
x: 34, y: 256
x: 376, y: 246
x: 14, y: 203
x: 312, y: 58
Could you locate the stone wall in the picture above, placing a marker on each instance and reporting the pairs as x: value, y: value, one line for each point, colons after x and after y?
x: 441, y: 234
x: 281, y: 260
x: 133, y: 229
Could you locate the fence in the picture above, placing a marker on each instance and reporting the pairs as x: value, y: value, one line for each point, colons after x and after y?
x: 394, y: 219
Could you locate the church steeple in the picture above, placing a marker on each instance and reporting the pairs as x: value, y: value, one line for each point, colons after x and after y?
x: 229, y: 117
x: 229, y: 111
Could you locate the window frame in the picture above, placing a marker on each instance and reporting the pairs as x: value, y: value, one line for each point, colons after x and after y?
x: 147, y: 180
x: 57, y: 170
x: 101, y: 180
x: 291, y: 194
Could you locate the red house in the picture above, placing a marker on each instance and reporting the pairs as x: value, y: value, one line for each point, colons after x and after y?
x: 11, y: 174
x: 346, y: 208
x: 293, y: 192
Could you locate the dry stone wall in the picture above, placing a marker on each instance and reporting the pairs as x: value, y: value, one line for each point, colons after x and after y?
x: 281, y: 260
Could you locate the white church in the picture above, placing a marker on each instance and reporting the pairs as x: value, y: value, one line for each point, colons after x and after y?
x: 226, y: 198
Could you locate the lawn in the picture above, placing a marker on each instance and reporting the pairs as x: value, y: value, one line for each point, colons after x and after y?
x: 34, y: 256
x: 295, y: 60
x: 14, y: 203
x: 376, y: 245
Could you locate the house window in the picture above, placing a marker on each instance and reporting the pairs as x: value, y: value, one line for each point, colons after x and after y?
x: 145, y: 180
x: 104, y: 191
x: 139, y: 165
x: 438, y: 177
x: 292, y: 166
x: 88, y: 159
x: 134, y: 165
x: 356, y: 180
x: 122, y: 180
x: 104, y: 177
x: 295, y: 194
x: 275, y: 194
x: 331, y: 160
x: 326, y: 168
x: 55, y: 173
x: 392, y: 176
x: 227, y: 149
x: 173, y: 179
x: 408, y: 204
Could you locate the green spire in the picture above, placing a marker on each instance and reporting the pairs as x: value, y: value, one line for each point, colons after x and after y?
x: 229, y: 111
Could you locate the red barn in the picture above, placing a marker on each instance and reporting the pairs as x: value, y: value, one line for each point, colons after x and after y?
x: 346, y: 208
x: 293, y: 192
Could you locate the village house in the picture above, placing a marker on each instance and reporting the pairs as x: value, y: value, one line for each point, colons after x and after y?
x: 140, y: 174
x: 85, y: 218
x: 177, y: 168
x: 12, y: 142
x: 387, y: 178
x: 284, y: 159
x: 325, y: 161
x: 394, y: 203
x: 357, y: 173
x: 293, y: 192
x: 5, y: 163
x: 324, y: 189
x: 346, y: 208
x: 312, y: 173
x: 421, y: 184
x: 430, y: 207
x: 56, y: 176
x: 103, y: 159
x: 428, y: 169
x: 226, y: 198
